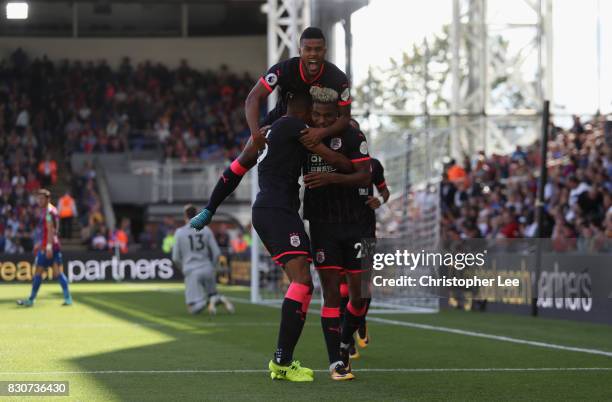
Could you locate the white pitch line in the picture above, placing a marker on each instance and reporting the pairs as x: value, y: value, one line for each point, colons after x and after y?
x: 372, y: 370
x: 490, y: 336
x: 470, y: 333
x: 141, y: 324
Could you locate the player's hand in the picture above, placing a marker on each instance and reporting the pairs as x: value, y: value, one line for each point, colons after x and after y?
x: 318, y: 179
x: 312, y: 136
x: 49, y: 253
x: 373, y: 202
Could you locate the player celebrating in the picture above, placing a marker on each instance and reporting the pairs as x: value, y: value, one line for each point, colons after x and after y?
x: 374, y: 202
x: 295, y: 75
x: 276, y: 219
x: 197, y: 255
x: 48, y: 253
x: 336, y: 212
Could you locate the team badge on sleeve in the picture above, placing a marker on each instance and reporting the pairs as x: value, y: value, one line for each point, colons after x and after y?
x: 345, y: 95
x: 363, y: 148
x: 336, y: 143
x: 271, y: 79
x: 320, y: 256
x: 294, y: 239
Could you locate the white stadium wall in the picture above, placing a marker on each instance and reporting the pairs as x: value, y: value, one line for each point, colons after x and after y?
x: 240, y: 54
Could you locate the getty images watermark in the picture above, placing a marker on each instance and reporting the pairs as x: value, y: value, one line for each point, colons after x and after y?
x: 408, y: 260
x: 559, y: 275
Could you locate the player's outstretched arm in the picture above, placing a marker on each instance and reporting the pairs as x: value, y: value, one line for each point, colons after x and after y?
x: 361, y: 177
x: 252, y: 106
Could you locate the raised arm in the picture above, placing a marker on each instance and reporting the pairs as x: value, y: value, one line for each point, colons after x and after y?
x: 252, y: 106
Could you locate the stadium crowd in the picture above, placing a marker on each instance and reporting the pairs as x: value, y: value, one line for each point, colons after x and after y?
x: 35, y: 101
x: 190, y: 114
x: 19, y: 180
x: 494, y: 196
x: 89, y: 107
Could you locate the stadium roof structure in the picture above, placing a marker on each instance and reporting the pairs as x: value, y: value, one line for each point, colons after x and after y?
x: 129, y: 18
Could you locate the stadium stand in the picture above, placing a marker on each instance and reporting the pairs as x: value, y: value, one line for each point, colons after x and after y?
x: 90, y: 108
x: 494, y: 196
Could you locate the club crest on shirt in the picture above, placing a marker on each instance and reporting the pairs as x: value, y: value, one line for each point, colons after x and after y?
x: 320, y: 256
x: 271, y: 79
x: 336, y: 143
x: 363, y: 148
x: 345, y: 95
x: 294, y: 239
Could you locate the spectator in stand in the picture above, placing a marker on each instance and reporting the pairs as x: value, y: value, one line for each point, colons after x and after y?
x: 120, y: 238
x: 99, y: 239
x: 32, y: 184
x: 149, y: 237
x: 577, y: 127
x: 509, y: 225
x: 95, y: 221
x: 67, y: 211
x: 239, y: 245
x: 47, y: 169
x: 168, y: 241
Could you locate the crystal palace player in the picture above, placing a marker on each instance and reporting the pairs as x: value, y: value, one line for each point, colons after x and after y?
x: 277, y: 222
x: 339, y: 221
x: 294, y: 75
x: 47, y: 251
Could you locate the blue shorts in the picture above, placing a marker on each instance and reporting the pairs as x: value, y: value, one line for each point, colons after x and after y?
x: 43, y: 261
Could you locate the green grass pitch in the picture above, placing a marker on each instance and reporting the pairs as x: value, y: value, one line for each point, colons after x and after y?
x: 137, y: 342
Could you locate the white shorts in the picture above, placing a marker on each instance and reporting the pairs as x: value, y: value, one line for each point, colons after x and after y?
x: 199, y: 285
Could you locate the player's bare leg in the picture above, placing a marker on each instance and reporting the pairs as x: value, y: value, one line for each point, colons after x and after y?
x: 293, y: 315
x: 331, y: 325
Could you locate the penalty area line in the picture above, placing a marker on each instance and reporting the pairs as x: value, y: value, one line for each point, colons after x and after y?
x: 365, y: 370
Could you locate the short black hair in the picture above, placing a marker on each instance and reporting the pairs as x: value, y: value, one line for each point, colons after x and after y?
x: 312, y: 33
x: 299, y: 101
x: 190, y: 211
